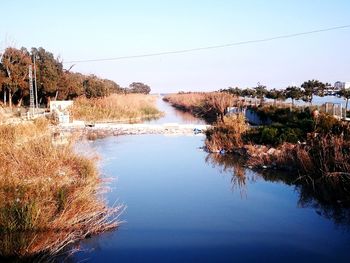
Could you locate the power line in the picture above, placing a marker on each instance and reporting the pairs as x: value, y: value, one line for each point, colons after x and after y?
x: 212, y: 47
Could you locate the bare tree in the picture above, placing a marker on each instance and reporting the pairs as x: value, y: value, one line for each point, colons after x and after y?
x: 220, y: 101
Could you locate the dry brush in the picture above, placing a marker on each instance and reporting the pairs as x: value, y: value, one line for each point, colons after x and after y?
x: 50, y: 196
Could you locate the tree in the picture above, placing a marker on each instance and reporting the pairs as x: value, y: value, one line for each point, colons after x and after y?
x: 219, y: 102
x: 94, y: 87
x: 15, y: 63
x: 71, y: 85
x: 248, y: 93
x: 3, y: 82
x: 112, y: 86
x: 345, y: 93
x: 312, y: 87
x: 275, y: 94
x: 49, y: 72
x: 139, y: 87
x: 294, y: 93
x: 260, y: 92
x: 234, y: 91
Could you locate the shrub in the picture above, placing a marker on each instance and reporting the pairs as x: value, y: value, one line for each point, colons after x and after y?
x: 226, y: 135
x: 269, y: 135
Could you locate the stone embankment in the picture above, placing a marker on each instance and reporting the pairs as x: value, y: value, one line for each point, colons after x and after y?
x: 108, y: 129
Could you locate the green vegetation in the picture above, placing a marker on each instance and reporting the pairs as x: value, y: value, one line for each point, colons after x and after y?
x: 287, y: 126
x: 139, y: 87
x: 305, y: 92
x: 292, y: 126
x: 53, y: 82
x: 316, y: 145
x: 50, y: 196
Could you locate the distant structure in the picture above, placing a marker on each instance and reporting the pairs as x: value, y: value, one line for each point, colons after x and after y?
x: 341, y: 85
x: 60, y: 105
x: 61, y: 109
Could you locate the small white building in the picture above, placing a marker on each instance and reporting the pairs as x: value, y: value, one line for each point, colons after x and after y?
x: 60, y: 105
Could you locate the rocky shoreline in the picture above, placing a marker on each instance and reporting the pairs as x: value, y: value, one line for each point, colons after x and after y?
x: 101, y: 130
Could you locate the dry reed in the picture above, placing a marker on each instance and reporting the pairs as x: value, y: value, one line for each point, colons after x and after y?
x: 116, y: 107
x: 50, y: 196
x: 207, y: 105
x: 226, y: 135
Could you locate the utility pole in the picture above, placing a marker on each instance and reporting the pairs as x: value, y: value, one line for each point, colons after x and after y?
x: 35, y: 86
x: 1, y: 55
x: 31, y: 93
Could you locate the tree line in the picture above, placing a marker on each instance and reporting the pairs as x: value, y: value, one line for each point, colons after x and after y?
x: 53, y: 82
x: 305, y: 92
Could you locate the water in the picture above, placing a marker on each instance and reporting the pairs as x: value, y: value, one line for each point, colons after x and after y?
x: 174, y: 116
x: 317, y: 100
x: 184, y: 205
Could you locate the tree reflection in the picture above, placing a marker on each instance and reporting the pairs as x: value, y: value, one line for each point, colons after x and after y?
x: 329, y: 199
x: 233, y: 165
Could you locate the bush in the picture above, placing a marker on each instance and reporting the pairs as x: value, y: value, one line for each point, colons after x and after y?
x: 269, y: 135
x: 226, y: 135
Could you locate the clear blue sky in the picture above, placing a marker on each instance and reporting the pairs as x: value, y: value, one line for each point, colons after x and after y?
x: 77, y: 30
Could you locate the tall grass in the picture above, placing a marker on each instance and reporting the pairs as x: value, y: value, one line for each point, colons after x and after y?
x: 226, y: 135
x: 50, y: 196
x: 206, y: 105
x: 116, y: 107
x: 187, y: 101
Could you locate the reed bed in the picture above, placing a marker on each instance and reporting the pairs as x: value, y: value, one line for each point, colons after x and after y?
x: 206, y: 105
x: 227, y: 134
x: 50, y: 197
x: 116, y: 107
x: 187, y: 101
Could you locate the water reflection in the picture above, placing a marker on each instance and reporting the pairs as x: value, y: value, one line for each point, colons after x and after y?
x: 233, y: 165
x: 172, y: 115
x: 325, y: 197
x: 13, y: 245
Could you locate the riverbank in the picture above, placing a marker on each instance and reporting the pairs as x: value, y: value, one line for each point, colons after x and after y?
x: 300, y: 140
x: 50, y: 196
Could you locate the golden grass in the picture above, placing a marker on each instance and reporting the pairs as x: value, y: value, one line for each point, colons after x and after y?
x: 50, y: 196
x: 207, y: 105
x: 2, y: 113
x: 226, y: 135
x: 116, y: 107
x: 187, y: 101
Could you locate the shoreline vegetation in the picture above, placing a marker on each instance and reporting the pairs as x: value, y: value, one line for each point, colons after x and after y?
x: 115, y: 108
x: 51, y: 196
x: 302, y: 141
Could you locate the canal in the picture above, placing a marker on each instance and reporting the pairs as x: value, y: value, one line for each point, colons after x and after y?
x: 184, y: 205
